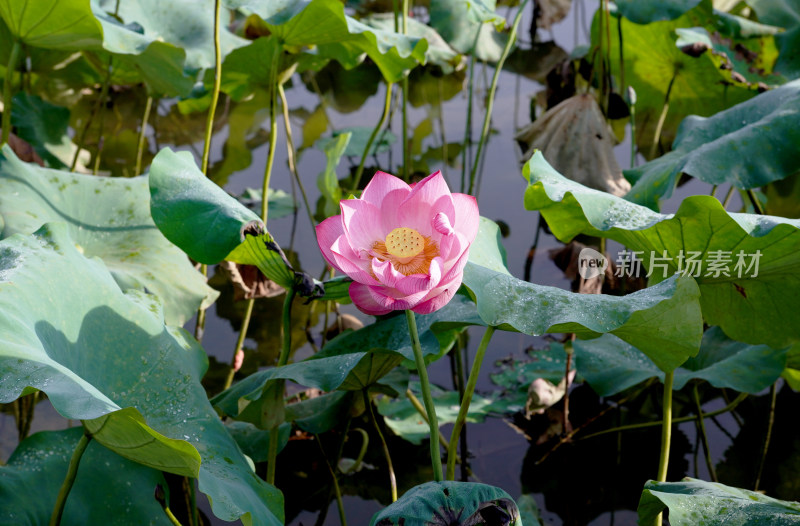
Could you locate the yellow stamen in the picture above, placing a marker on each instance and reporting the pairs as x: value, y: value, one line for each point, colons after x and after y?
x: 408, y: 251
x: 404, y: 243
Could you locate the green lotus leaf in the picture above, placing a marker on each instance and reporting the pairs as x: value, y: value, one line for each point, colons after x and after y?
x: 439, y: 53
x: 248, y: 68
x: 206, y: 222
x: 351, y: 361
x: 322, y: 413
x: 254, y: 442
x: 251, y: 400
x: 652, y: 63
x: 52, y: 24
x: 44, y: 126
x: 469, y: 26
x: 185, y: 24
x: 281, y: 204
x: 647, y: 11
x: 452, y: 503
x: 748, y: 145
x: 261, y: 251
x: 693, y: 501
x: 664, y: 321
x: 327, y: 181
x: 94, y: 350
x: 126, y: 433
x: 756, y: 255
x: 611, y: 365
x: 787, y: 15
x: 337, y: 289
x: 792, y: 372
x: 193, y: 212
x: 405, y: 421
x: 144, y: 57
x: 323, y: 23
x: 108, y: 218
x: 30, y: 481
x: 359, y: 135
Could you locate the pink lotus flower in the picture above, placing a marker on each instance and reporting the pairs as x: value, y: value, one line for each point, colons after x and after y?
x: 404, y: 246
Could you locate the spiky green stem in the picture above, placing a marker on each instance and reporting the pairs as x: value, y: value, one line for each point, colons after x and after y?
x: 430, y: 409
x: 7, y: 91
x: 69, y: 480
x: 472, y: 381
x: 512, y: 37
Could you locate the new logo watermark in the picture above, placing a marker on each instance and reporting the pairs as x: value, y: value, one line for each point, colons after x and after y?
x: 712, y: 264
x: 591, y: 263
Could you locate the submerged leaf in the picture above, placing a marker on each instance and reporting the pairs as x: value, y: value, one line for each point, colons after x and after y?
x: 44, y: 126
x: 402, y: 417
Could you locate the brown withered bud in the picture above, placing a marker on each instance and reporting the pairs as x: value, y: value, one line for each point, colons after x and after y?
x: 695, y: 49
x: 160, y: 496
x: 738, y: 77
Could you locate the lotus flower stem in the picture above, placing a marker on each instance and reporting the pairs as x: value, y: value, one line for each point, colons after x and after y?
x: 728, y: 196
x: 472, y: 381
x: 662, y: 117
x: 702, y: 426
x: 430, y: 409
x: 337, y: 491
x: 69, y: 480
x: 468, y: 125
x: 361, y: 452
x: 371, y: 413
x: 140, y: 149
x: 566, y: 427
x: 406, y: 153
x: 666, y: 434
x: 730, y: 407
x: 421, y: 410
x: 666, y: 427
x: 95, y: 108
x: 290, y: 151
x: 272, y: 452
x: 12, y: 64
x: 387, y: 103
x: 621, y: 53
x: 172, y: 518
x: 215, y: 93
x: 201, y: 312
x: 512, y: 37
x: 273, y: 135
x: 239, y: 342
x: 755, y: 202
x: 194, y: 520
x: 771, y: 420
